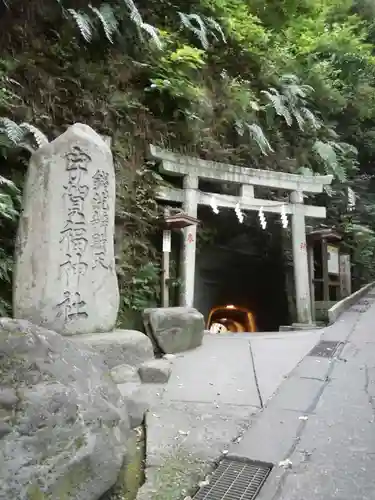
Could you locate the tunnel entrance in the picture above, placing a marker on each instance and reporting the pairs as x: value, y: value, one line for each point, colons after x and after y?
x: 241, y: 265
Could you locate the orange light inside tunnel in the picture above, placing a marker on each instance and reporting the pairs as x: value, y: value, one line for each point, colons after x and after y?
x: 232, y: 318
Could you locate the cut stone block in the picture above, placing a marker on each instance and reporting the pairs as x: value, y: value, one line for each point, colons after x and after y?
x: 156, y: 371
x: 174, y: 329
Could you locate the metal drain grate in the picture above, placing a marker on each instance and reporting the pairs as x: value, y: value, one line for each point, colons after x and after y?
x: 235, y: 479
x: 324, y: 349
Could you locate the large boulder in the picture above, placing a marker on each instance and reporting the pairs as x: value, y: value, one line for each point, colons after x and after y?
x: 65, y: 277
x: 174, y: 329
x: 63, y: 423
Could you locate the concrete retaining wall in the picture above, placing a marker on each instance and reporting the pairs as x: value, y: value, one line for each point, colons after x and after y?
x: 340, y: 307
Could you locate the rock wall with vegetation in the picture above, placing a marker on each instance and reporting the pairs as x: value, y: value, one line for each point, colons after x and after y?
x: 274, y: 84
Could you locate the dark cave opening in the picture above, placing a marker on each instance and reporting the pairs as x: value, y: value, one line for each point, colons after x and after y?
x: 242, y: 266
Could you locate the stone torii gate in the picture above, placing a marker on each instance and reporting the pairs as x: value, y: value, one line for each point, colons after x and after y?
x: 193, y: 169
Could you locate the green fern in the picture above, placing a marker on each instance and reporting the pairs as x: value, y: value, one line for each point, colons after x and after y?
x: 6, y: 263
x: 345, y: 148
x: 8, y: 183
x: 278, y: 103
x: 7, y: 210
x: 11, y: 130
x: 107, y: 18
x: 290, y: 102
x: 23, y: 136
x: 135, y: 15
x: 257, y: 134
x: 153, y: 32
x: 195, y: 23
x: 216, y: 28
x: 106, y: 15
x: 137, y: 19
x: 83, y: 22
x: 8, y: 192
x: 202, y: 27
x: 311, y: 118
x: 144, y: 288
x: 38, y: 136
x: 292, y: 86
x: 299, y: 119
x: 326, y: 152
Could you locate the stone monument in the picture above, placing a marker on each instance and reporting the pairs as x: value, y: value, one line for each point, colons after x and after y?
x: 65, y: 277
x: 81, y: 395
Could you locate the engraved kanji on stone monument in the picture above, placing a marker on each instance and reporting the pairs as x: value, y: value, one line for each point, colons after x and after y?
x: 65, y: 273
x: 74, y: 232
x: 100, y: 219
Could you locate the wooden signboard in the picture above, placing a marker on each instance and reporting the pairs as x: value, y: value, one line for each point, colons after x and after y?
x: 333, y: 259
x: 345, y: 275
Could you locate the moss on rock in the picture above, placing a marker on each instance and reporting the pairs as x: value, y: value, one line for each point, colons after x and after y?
x: 131, y: 476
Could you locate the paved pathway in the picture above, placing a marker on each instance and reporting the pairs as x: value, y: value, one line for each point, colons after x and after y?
x: 210, y: 400
x: 322, y: 420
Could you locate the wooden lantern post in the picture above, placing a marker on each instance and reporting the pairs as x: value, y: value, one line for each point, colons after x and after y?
x: 172, y: 222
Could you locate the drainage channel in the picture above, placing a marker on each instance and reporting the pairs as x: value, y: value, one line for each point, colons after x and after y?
x: 132, y: 474
x: 242, y: 479
x: 235, y: 479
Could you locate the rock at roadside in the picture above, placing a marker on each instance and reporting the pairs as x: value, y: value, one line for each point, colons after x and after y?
x: 174, y: 329
x: 63, y: 423
x: 156, y: 371
x: 123, y: 374
x: 136, y: 403
x: 65, y: 276
x: 119, y: 347
x: 130, y: 385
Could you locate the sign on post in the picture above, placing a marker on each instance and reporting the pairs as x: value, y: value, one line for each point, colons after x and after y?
x: 345, y: 276
x: 333, y: 260
x: 167, y: 238
x: 167, y: 241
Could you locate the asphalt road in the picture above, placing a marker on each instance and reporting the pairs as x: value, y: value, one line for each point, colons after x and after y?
x: 211, y: 399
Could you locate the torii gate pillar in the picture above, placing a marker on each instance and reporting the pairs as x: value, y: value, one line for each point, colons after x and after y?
x: 300, y: 259
x: 189, y: 243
